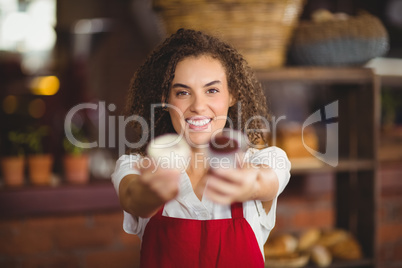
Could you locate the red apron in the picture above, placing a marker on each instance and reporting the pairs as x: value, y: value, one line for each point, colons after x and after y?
x: 176, y: 242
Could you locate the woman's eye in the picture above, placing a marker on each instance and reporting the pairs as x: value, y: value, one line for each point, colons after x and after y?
x: 212, y: 90
x: 181, y: 93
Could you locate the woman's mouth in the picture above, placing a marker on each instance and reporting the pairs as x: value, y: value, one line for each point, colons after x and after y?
x: 195, y: 123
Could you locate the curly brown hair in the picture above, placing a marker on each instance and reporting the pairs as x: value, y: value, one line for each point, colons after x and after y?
x: 152, y: 83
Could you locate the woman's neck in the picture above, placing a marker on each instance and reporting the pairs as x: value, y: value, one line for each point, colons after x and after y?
x: 198, y: 162
x: 196, y: 171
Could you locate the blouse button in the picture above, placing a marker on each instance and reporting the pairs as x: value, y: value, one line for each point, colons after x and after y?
x: 204, y: 214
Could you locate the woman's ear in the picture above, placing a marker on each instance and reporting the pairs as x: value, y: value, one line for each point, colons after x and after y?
x: 232, y: 100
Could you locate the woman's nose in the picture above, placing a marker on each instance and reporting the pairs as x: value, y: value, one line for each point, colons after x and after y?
x: 198, y: 103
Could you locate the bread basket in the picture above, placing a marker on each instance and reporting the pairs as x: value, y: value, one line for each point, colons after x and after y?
x: 259, y: 29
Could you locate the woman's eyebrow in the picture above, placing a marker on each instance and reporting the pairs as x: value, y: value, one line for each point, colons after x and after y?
x: 213, y: 83
x: 206, y: 85
x: 180, y: 85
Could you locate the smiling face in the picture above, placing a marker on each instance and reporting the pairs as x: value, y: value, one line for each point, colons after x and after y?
x: 199, y: 99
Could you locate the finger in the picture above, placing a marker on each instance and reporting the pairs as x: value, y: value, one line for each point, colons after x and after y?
x: 164, y: 178
x: 150, y: 172
x: 232, y: 175
x: 146, y: 165
x: 218, y: 197
x: 216, y: 190
x: 166, y: 187
x: 166, y: 191
x: 222, y: 186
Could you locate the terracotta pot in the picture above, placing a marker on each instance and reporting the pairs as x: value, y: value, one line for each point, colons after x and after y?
x: 76, y: 168
x: 40, y: 169
x: 13, y: 170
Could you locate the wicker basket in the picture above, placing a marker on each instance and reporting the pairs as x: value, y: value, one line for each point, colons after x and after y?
x: 259, y: 29
x: 353, y: 41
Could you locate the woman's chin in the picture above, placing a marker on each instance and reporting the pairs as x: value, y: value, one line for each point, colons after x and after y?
x: 198, y: 141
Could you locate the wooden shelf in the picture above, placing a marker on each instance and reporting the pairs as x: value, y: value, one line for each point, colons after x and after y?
x: 391, y: 80
x: 56, y: 200
x: 347, y: 264
x: 336, y: 264
x: 318, y: 75
x: 312, y: 165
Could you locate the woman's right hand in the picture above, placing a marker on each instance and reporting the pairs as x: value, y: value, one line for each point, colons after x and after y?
x: 159, y: 183
x: 142, y: 195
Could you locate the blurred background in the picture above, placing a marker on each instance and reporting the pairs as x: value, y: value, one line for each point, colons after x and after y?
x: 57, y: 205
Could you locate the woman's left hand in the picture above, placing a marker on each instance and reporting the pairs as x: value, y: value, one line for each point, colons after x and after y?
x: 226, y: 185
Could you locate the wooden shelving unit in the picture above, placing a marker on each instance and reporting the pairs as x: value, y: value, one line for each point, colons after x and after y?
x: 357, y: 93
x: 64, y: 199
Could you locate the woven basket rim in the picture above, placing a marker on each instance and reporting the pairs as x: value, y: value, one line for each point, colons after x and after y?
x: 167, y: 3
x: 363, y: 25
x: 352, y: 19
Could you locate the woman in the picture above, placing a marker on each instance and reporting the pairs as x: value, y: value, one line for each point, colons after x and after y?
x: 204, y: 85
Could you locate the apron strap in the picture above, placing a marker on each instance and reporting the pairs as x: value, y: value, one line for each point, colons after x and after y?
x: 237, y: 210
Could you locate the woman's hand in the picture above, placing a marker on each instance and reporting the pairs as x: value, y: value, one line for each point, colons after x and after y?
x: 250, y: 182
x: 142, y: 195
x: 160, y: 183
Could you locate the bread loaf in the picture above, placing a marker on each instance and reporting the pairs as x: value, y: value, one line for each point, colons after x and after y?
x: 308, y: 239
x: 280, y: 246
x: 348, y: 249
x: 321, y: 256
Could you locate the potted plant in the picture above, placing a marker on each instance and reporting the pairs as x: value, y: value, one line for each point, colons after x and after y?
x: 39, y: 163
x: 13, y: 162
x: 76, y: 159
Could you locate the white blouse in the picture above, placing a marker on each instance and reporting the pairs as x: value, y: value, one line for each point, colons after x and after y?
x: 187, y: 205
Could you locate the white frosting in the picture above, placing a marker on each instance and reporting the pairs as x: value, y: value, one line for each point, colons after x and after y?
x: 170, y: 150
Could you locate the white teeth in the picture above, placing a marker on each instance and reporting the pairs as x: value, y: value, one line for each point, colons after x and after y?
x: 199, y: 123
